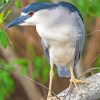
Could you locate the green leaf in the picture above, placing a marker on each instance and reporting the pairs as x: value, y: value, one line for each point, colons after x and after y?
x: 24, y: 70
x: 3, y: 38
x: 94, y: 8
x: 7, y: 14
x: 38, y: 62
x: 4, y: 3
x: 35, y: 74
x: 6, y: 84
x: 2, y: 93
x: 18, y: 3
x: 9, y: 66
x: 43, y: 0
x: 45, y: 71
x: 89, y: 7
x: 1, y: 17
x: 22, y: 61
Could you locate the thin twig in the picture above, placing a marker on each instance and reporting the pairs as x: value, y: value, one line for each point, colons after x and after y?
x: 84, y: 73
x: 89, y: 70
x: 13, y: 73
x: 93, y: 60
x: 92, y: 33
x: 8, y: 5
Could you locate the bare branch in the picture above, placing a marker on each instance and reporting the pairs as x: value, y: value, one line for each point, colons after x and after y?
x: 84, y: 92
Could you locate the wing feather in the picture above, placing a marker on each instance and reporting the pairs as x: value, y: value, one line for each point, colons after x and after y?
x: 80, y: 41
x: 46, y: 51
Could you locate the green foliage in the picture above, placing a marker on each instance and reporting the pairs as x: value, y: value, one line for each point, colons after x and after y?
x: 3, y: 3
x: 43, y: 0
x: 41, y: 67
x: 97, y: 63
x: 3, y: 16
x: 18, y: 3
x: 3, y: 34
x: 6, y: 82
x: 90, y: 7
x: 24, y: 63
x: 3, y: 38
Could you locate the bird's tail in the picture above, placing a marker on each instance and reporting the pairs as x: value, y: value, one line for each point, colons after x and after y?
x: 63, y: 70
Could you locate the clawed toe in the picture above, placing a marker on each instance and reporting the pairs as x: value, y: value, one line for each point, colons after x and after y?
x: 51, y: 98
x: 76, y: 81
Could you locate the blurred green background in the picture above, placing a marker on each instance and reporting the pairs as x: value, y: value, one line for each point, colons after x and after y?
x: 21, y: 51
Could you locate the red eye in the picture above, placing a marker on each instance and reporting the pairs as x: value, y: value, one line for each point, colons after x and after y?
x: 31, y: 13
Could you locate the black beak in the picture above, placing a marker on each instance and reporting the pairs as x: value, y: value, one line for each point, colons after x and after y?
x: 17, y: 21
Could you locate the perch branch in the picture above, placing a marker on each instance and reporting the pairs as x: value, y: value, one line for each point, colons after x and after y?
x: 84, y: 92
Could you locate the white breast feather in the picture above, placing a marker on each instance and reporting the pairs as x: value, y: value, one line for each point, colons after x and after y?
x: 59, y: 32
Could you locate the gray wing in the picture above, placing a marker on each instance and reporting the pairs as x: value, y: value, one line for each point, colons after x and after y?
x: 80, y: 41
x: 46, y: 51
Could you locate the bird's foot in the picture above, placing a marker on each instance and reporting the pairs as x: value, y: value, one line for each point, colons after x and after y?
x: 76, y: 82
x: 50, y: 97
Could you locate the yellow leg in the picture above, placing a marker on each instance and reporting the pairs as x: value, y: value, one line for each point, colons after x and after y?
x: 50, y: 83
x: 73, y: 80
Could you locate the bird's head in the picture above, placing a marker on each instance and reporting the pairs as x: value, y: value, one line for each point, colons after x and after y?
x: 41, y: 12
x: 31, y: 14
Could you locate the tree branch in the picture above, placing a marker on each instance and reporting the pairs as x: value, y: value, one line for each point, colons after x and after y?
x: 84, y: 92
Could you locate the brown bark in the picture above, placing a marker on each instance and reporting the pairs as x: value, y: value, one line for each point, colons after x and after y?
x: 83, y: 92
x: 93, y: 48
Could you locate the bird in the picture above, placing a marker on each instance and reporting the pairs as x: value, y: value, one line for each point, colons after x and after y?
x: 61, y: 29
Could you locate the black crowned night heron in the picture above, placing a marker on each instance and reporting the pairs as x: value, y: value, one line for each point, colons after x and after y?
x: 61, y: 29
